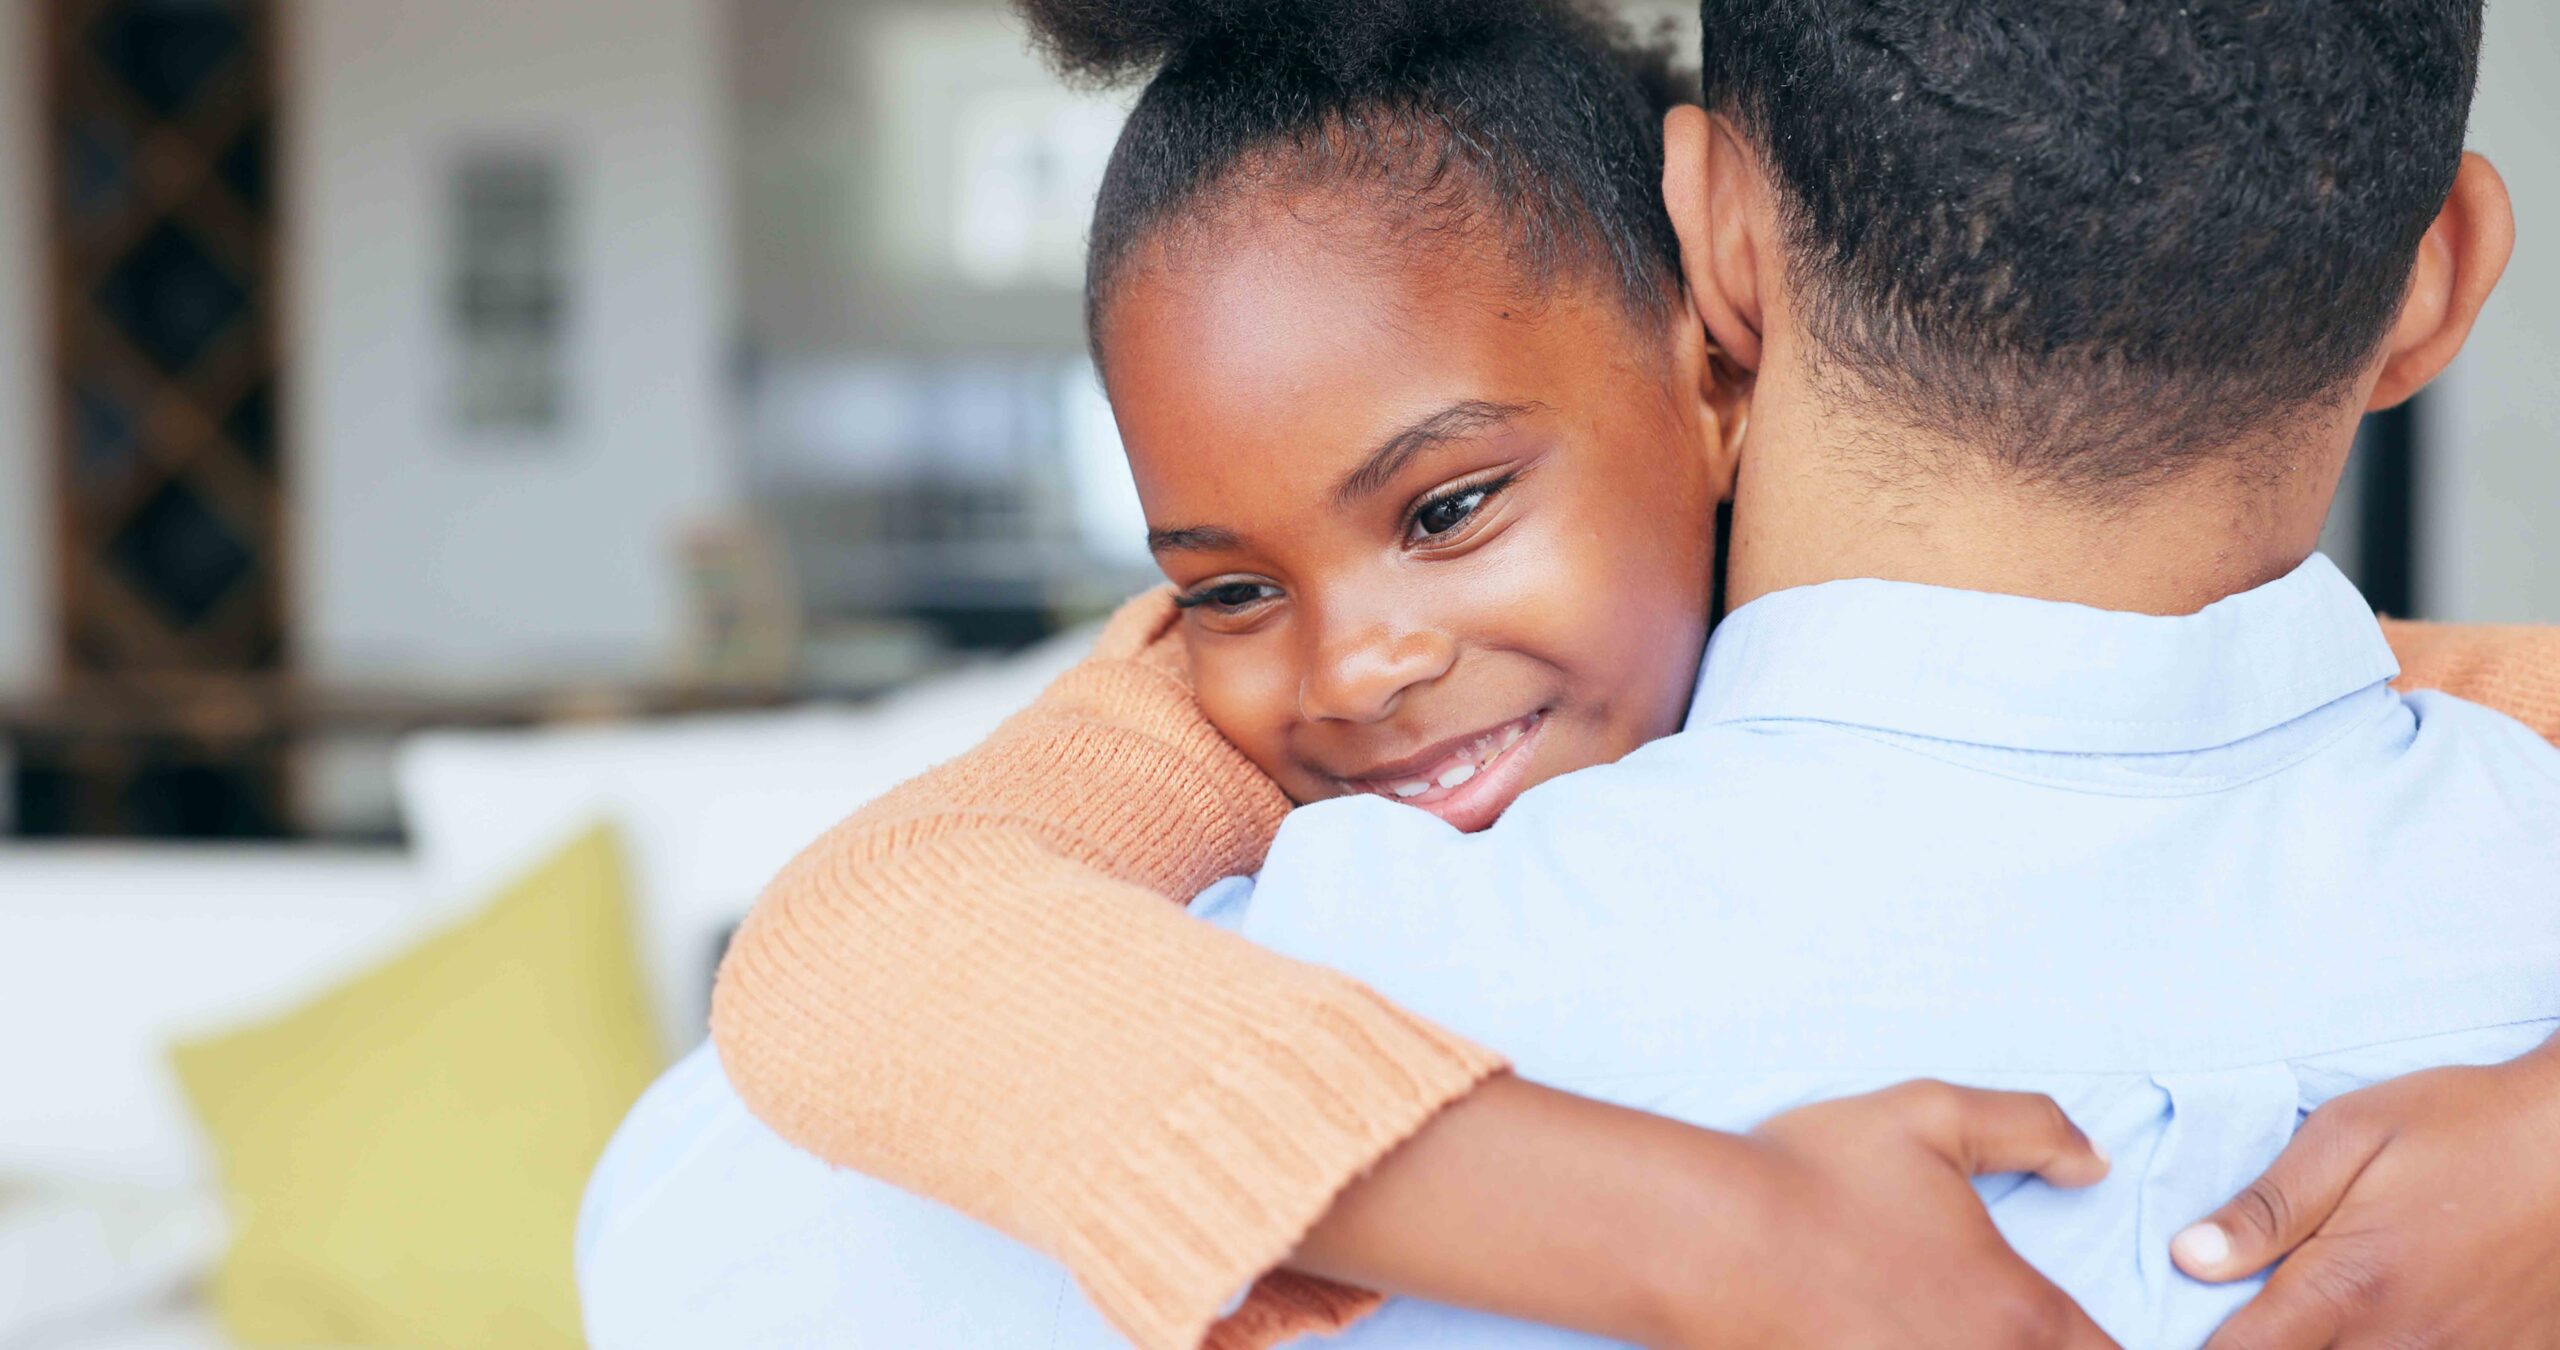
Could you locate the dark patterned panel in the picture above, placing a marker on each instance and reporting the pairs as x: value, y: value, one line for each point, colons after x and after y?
x: 251, y: 425
x: 166, y: 50
x: 178, y: 553
x: 176, y: 791
x: 97, y: 170
x: 103, y: 434
x: 171, y: 297
x: 162, y: 115
x: 156, y: 786
x: 245, y: 167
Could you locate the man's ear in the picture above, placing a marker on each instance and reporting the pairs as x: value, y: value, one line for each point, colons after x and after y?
x: 1711, y: 184
x: 1722, y: 390
x: 2459, y: 263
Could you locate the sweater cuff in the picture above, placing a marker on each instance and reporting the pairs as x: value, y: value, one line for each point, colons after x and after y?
x: 1285, y: 1306
x: 1220, y: 1186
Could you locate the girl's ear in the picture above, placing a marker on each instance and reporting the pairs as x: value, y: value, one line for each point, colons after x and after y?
x: 1713, y: 189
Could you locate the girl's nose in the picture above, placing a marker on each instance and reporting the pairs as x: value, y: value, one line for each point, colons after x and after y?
x: 1363, y: 677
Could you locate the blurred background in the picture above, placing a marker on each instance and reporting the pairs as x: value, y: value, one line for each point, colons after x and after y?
x: 379, y: 364
x: 433, y: 430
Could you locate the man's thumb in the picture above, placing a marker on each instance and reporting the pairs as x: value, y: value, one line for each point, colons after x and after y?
x: 2282, y: 1208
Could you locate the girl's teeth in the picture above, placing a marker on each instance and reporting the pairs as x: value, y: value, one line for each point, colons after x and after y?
x: 1477, y: 757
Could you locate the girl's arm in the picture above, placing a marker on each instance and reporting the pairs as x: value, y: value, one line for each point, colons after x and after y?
x: 982, y: 988
x: 2515, y: 670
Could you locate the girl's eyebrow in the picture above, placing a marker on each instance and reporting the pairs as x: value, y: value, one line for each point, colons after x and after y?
x: 1468, y: 417
x: 1457, y: 421
x: 1191, y: 539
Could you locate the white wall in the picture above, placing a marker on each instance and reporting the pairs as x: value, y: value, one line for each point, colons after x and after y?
x: 2492, y: 493
x: 26, y: 571
x: 423, y: 552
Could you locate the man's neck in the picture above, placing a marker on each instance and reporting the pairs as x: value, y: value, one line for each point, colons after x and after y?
x: 1807, y: 511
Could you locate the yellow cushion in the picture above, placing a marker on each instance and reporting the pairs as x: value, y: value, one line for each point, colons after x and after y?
x: 403, y: 1156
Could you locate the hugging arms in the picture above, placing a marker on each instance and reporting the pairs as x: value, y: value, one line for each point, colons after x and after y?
x: 1312, y: 1079
x: 1170, y: 1111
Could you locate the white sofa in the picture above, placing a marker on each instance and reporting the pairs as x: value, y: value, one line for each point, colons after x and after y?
x: 107, y: 953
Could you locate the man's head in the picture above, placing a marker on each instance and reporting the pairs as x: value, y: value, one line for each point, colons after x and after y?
x: 2097, y: 240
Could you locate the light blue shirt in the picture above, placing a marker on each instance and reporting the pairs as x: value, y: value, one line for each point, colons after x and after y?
x: 2192, y: 876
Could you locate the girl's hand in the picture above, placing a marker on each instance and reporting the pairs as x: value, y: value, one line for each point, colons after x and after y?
x: 1866, y: 1229
x: 2422, y: 1211
x: 1850, y: 1222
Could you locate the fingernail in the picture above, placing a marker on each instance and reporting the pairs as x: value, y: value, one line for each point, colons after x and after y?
x: 2202, y: 1247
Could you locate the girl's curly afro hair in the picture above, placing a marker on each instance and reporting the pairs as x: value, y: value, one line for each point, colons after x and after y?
x: 1541, y: 119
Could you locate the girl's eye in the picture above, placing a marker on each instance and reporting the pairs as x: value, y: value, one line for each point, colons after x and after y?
x: 1228, y: 596
x: 1440, y: 515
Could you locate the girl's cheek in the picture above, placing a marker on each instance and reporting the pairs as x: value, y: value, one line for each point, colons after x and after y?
x: 1536, y: 573
x: 1633, y: 635
x: 1248, y: 692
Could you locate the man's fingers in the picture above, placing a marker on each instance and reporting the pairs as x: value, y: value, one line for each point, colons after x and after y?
x: 2305, y: 1307
x: 1985, y: 1132
x: 2283, y: 1207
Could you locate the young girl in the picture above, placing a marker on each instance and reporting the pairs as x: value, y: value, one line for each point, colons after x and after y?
x: 1476, y: 185
x: 974, y: 988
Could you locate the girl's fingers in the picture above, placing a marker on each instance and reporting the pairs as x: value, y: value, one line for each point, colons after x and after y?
x: 1986, y: 1132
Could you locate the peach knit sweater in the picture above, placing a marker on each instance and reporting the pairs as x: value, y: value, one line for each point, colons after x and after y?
x: 983, y: 988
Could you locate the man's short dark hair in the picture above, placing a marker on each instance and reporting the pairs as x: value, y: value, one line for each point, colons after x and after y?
x: 2100, y: 236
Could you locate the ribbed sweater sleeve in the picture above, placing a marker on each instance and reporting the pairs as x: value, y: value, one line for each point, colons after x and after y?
x: 2515, y: 670
x: 983, y: 988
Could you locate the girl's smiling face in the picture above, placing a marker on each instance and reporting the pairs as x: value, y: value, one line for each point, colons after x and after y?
x: 1438, y: 535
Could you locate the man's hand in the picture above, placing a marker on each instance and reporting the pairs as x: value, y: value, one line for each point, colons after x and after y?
x: 2423, y: 1211
x: 1868, y: 1232
x: 1850, y: 1223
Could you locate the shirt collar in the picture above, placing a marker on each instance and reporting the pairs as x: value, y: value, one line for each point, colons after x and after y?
x: 2008, y: 671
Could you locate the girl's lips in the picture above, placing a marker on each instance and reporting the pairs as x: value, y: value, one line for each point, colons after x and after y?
x: 1468, y: 786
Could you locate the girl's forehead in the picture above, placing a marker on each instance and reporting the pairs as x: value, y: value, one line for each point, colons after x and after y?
x: 1290, y: 362
x: 1258, y: 320
x: 1240, y: 276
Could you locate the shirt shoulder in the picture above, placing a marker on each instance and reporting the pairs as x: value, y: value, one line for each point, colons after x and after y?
x: 1655, y: 811
x: 2456, y: 735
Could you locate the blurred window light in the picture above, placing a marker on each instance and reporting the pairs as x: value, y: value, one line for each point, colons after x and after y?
x: 979, y: 431
x: 845, y: 423
x: 989, y: 163
x: 1109, y: 521
x: 1029, y: 163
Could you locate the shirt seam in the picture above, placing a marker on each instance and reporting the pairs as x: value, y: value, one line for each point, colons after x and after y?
x: 2200, y: 787
x: 2289, y: 694
x: 1941, y: 1069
